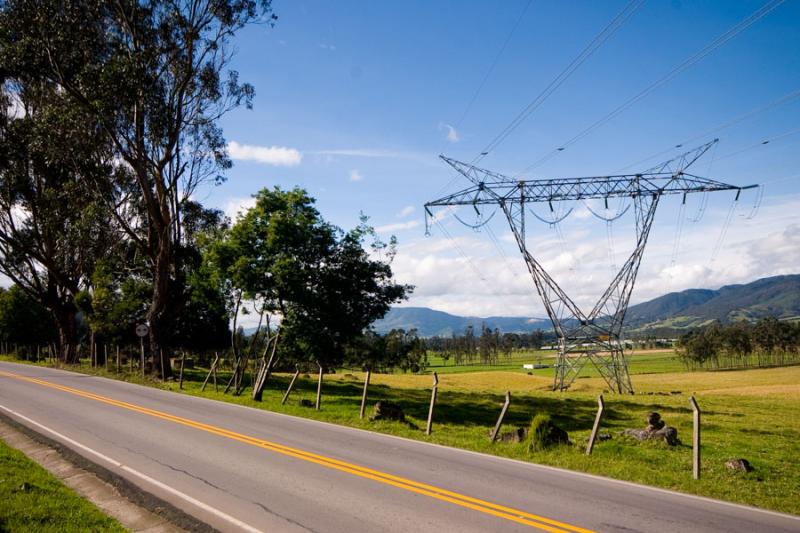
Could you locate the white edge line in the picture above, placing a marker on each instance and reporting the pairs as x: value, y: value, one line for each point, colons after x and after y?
x: 534, y: 466
x: 117, y: 464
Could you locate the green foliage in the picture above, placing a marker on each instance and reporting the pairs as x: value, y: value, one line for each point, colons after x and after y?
x: 538, y: 432
x: 768, y: 342
x: 397, y: 349
x: 23, y: 320
x: 321, y: 281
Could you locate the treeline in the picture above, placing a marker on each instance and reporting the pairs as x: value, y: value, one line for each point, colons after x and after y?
x: 109, y: 130
x: 486, y: 348
x: 768, y: 342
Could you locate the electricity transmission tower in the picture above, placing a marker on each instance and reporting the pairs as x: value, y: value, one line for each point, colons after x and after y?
x: 595, y: 336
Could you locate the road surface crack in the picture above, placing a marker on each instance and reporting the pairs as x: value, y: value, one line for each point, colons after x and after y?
x: 193, y: 476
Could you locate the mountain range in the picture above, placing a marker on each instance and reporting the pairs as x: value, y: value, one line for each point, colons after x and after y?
x: 777, y: 296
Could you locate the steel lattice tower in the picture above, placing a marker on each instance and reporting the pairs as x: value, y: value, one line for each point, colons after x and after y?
x: 595, y: 336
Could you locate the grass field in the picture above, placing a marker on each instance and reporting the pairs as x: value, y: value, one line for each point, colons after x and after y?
x: 31, y: 499
x: 649, y: 362
x: 749, y: 414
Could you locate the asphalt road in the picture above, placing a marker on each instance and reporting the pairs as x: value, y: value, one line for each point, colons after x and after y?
x: 241, y: 469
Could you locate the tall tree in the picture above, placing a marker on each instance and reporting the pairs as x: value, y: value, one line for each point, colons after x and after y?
x: 155, y: 76
x: 321, y: 283
x: 51, y: 230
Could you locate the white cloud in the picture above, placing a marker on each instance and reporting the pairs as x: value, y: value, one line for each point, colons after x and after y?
x: 236, y: 206
x: 452, y: 133
x: 381, y: 153
x: 406, y: 211
x: 489, y: 284
x: 388, y: 228
x: 269, y: 155
x: 330, y: 47
x: 355, y: 175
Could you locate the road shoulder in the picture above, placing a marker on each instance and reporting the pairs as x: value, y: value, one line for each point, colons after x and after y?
x: 135, y: 509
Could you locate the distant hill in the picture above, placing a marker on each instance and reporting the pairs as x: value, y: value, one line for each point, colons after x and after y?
x: 777, y: 297
x: 429, y: 323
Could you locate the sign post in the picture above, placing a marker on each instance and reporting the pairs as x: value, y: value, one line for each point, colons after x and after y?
x: 141, y: 331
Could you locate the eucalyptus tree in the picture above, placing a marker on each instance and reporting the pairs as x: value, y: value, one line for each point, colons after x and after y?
x: 52, y: 231
x: 155, y: 75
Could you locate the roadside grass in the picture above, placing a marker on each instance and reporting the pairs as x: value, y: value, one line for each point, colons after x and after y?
x: 31, y: 499
x: 750, y: 414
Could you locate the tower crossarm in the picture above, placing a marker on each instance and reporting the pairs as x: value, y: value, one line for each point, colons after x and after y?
x: 493, y: 188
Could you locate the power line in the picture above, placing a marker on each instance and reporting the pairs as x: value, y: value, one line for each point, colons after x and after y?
x: 762, y: 143
x: 606, y: 33
x: 493, y: 65
x: 485, y: 79
x: 725, y: 125
x: 685, y: 64
x: 462, y: 253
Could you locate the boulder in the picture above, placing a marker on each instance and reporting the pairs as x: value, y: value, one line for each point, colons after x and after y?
x: 306, y: 403
x: 384, y: 410
x: 654, y: 422
x: 738, y: 465
x: 518, y: 435
x: 656, y: 429
x: 556, y: 435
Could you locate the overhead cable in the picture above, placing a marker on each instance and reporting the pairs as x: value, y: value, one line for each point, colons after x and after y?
x: 685, y: 64
x: 606, y: 33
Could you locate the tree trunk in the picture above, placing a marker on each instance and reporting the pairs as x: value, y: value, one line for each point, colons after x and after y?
x: 157, y: 314
x: 67, y: 334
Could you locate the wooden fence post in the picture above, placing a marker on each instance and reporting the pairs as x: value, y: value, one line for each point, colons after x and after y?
x: 364, y: 395
x: 502, y: 416
x: 105, y: 355
x: 180, y: 379
x: 319, y: 387
x: 141, y: 342
x: 695, y: 438
x: 601, y: 406
x: 119, y: 365
x: 433, y: 402
x: 212, y: 370
x: 291, y: 384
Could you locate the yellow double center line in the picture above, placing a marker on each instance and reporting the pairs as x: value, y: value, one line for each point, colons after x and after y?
x: 500, y: 511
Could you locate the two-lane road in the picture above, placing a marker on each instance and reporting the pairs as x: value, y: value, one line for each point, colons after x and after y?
x: 241, y: 469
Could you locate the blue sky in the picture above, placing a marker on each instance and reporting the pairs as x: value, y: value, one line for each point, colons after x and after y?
x: 355, y: 100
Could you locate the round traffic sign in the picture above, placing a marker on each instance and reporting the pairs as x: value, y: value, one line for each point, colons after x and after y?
x: 142, y: 330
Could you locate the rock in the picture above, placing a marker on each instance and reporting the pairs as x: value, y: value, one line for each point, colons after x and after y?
x: 603, y: 436
x: 387, y: 411
x: 306, y: 403
x: 654, y: 422
x: 656, y: 429
x: 638, y: 434
x: 556, y: 435
x: 738, y: 465
x: 518, y: 435
x: 669, y: 434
